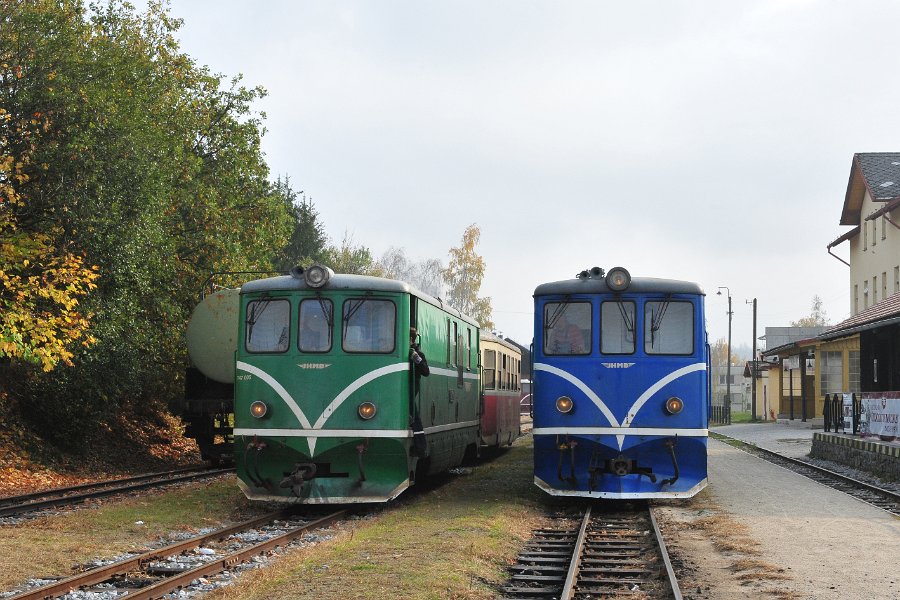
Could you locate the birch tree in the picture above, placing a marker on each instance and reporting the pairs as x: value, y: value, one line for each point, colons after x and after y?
x: 463, y: 277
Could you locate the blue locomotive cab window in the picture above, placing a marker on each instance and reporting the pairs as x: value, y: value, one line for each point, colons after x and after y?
x: 617, y: 327
x: 267, y: 328
x: 369, y: 325
x: 669, y: 327
x: 316, y: 323
x: 567, y: 328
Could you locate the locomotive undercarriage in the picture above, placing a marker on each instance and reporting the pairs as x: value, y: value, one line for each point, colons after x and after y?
x: 348, y: 472
x: 601, y: 465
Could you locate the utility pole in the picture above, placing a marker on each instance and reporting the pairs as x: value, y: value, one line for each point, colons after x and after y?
x: 728, y: 371
x: 753, y: 365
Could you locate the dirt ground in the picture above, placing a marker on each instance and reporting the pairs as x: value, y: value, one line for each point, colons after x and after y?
x: 759, y: 531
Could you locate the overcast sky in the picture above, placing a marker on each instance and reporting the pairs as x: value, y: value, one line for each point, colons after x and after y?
x: 709, y: 141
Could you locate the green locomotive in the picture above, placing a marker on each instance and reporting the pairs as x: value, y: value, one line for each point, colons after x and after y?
x: 327, y: 405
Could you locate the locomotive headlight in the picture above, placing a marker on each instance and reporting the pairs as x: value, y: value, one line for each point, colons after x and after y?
x: 259, y: 409
x: 674, y: 405
x: 366, y: 411
x: 316, y: 276
x: 564, y: 404
x: 618, y: 279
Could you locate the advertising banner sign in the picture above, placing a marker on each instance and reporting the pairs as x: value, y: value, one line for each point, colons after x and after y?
x: 881, y: 417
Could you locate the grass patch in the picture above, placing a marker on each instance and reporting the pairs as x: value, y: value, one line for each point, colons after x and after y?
x: 452, y: 541
x: 52, y: 546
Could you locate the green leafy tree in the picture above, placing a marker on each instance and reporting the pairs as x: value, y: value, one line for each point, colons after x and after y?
x: 147, y: 164
x: 351, y: 258
x: 463, y: 276
x: 308, y: 239
x: 817, y: 316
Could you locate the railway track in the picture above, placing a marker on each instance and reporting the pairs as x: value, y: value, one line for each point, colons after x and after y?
x: 158, y: 572
x: 17, y: 505
x: 884, y: 499
x: 604, y: 554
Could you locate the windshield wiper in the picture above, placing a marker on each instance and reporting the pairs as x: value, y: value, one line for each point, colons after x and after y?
x: 327, y: 310
x: 656, y: 321
x: 257, y: 308
x: 352, y: 311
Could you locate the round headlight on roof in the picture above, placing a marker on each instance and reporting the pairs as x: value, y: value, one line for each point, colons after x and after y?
x: 317, y: 275
x: 618, y: 279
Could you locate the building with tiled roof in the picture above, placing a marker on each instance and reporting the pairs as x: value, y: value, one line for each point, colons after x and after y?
x: 872, y: 209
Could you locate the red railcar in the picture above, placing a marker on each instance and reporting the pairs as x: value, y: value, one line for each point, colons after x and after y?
x: 501, y: 364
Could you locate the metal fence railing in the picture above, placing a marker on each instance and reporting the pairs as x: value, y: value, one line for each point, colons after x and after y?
x: 720, y: 414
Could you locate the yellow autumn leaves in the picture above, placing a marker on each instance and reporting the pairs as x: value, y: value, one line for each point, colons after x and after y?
x: 40, y: 284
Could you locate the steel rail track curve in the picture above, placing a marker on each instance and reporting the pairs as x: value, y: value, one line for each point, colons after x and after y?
x: 143, y: 562
x: 25, y: 503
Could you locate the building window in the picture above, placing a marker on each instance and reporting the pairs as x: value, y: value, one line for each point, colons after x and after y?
x: 875, y: 289
x: 856, y: 298
x: 831, y: 372
x: 883, y: 285
x: 883, y: 234
x: 865, y: 236
x: 854, y: 372
x: 896, y: 279
x: 874, y: 232
x: 865, y: 294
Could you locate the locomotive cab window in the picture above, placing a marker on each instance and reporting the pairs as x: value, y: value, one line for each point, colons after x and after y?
x: 316, y: 322
x: 617, y: 327
x: 668, y: 327
x: 369, y: 326
x: 567, y: 328
x: 267, y: 328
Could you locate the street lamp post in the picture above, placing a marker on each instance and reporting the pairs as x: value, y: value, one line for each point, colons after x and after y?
x: 728, y: 358
x: 753, y: 365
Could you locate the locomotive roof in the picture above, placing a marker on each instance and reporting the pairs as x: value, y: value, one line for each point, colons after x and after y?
x: 487, y: 336
x: 361, y: 283
x: 639, y: 285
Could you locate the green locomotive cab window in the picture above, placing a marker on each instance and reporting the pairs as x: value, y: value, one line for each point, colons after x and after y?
x: 617, y: 327
x: 369, y: 326
x: 567, y: 328
x: 669, y: 327
x: 267, y: 328
x: 316, y: 324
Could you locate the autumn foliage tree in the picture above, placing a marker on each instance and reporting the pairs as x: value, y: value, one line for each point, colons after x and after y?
x: 128, y: 167
x: 463, y: 276
x: 40, y: 283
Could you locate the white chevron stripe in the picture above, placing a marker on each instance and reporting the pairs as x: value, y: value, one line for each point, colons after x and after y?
x: 581, y: 386
x: 279, y: 389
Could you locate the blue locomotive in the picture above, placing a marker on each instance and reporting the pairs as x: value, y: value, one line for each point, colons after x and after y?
x: 621, y: 387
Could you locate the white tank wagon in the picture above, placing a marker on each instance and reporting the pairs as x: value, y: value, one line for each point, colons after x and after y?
x: 208, y: 404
